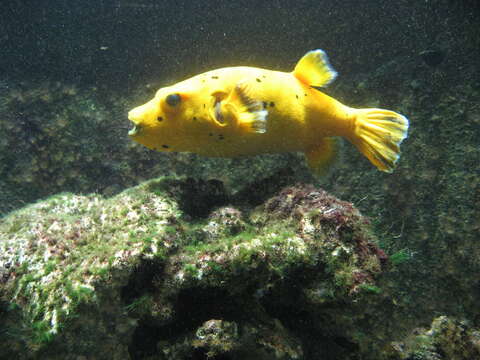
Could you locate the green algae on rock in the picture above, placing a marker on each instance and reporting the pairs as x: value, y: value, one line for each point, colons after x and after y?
x: 446, y: 339
x: 146, y: 274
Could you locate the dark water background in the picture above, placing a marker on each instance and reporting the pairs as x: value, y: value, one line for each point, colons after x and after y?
x: 420, y: 58
x: 166, y: 41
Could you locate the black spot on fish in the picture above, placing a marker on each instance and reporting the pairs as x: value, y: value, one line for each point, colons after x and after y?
x: 258, y: 80
x: 265, y: 104
x: 272, y: 104
x: 159, y: 118
x: 305, y: 94
x: 296, y: 96
x: 215, y: 77
x: 165, y: 146
x: 204, y: 106
x: 220, y: 137
x: 194, y: 118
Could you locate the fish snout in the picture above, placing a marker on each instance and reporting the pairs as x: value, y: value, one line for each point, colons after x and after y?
x: 132, y: 116
x: 137, y: 116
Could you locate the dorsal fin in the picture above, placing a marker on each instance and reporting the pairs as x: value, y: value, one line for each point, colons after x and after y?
x: 314, y: 69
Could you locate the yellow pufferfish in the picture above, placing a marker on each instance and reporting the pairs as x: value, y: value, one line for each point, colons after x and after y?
x: 239, y: 111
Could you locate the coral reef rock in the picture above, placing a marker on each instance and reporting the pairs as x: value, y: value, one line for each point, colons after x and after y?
x: 177, y: 268
x: 447, y: 339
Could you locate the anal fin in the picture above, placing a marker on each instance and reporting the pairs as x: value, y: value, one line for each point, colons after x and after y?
x: 323, y: 155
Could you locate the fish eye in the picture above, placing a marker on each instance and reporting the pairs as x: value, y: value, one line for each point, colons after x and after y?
x: 173, y: 99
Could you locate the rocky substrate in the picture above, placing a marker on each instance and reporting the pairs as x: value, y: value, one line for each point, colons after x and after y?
x: 179, y: 269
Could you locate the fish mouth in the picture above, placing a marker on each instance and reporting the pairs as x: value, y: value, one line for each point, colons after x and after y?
x: 134, y: 131
x: 136, y: 116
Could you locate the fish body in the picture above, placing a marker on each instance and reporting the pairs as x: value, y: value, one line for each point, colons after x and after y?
x: 240, y: 111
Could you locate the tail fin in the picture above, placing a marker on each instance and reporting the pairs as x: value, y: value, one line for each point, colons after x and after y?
x: 378, y: 135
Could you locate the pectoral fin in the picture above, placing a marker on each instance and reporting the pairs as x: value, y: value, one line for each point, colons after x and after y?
x: 244, y: 110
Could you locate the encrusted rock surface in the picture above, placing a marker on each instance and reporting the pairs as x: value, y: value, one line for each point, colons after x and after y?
x: 446, y: 339
x: 159, y: 272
